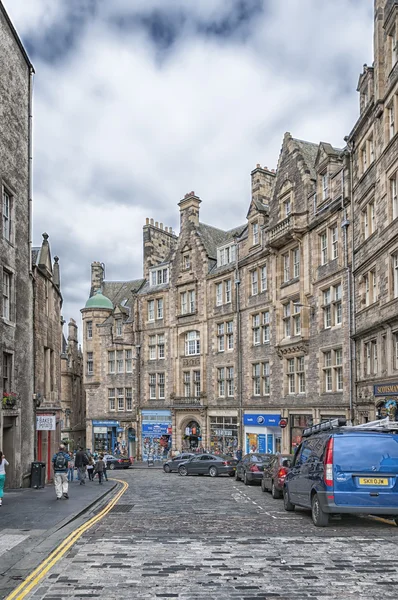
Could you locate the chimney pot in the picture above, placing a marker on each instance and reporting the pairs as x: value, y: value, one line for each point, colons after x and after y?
x: 161, y: 225
x: 151, y: 221
x: 258, y: 166
x: 266, y: 168
x: 147, y: 221
x: 156, y: 224
x: 166, y: 229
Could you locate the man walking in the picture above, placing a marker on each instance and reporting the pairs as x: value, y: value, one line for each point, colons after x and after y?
x: 81, y: 462
x: 61, y: 464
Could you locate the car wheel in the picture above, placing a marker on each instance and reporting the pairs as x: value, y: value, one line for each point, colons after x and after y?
x: 183, y: 471
x: 237, y: 478
x: 319, y: 517
x: 286, y: 501
x: 263, y: 486
x: 245, y: 479
x: 166, y: 468
x: 213, y: 472
x: 275, y: 493
x: 112, y: 466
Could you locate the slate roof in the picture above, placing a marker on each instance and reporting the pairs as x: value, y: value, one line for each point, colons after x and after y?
x: 213, y: 238
x: 117, y: 291
x: 309, y: 150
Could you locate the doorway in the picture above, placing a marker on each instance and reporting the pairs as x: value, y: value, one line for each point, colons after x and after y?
x: 8, y: 450
x: 192, y: 436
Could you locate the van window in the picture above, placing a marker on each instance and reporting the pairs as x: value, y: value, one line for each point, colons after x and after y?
x: 366, y: 453
x: 303, y: 454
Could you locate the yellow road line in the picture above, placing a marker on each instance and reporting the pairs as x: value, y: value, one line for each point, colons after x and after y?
x: 37, y: 575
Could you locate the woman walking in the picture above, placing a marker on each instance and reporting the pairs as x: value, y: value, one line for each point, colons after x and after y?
x: 3, y: 464
x: 90, y: 468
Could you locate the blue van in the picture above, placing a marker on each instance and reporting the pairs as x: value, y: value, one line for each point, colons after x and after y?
x: 339, y: 469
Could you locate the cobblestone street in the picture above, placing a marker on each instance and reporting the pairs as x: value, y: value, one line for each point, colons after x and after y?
x: 201, y: 538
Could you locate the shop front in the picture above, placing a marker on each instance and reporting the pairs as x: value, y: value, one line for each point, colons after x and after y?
x: 223, y: 434
x: 156, y: 434
x: 105, y: 435
x: 297, y: 425
x: 386, y: 396
x: 262, y: 433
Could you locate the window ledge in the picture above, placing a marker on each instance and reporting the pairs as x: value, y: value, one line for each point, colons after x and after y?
x: 290, y: 282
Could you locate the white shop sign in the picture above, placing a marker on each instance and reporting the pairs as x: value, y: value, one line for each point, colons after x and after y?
x: 45, y: 423
x: 223, y: 432
x: 100, y: 430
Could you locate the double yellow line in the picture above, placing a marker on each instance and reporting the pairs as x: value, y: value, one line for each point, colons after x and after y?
x: 37, y: 575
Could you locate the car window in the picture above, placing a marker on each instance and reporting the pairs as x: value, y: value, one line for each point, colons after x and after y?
x: 304, y: 454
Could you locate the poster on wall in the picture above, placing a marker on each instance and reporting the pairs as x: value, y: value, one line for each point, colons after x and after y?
x: 156, y: 435
x: 45, y: 423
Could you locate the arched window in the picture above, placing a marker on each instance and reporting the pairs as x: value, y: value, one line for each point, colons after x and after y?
x: 192, y: 343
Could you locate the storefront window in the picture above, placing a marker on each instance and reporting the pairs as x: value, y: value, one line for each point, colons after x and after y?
x: 297, y: 425
x: 388, y: 408
x: 102, y: 439
x: 223, y: 435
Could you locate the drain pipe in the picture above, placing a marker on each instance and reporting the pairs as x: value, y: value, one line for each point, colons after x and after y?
x: 238, y: 345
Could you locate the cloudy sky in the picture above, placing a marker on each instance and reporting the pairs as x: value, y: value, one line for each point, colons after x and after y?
x: 137, y: 102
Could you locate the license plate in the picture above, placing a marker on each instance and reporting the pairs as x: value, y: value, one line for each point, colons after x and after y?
x: 373, y: 481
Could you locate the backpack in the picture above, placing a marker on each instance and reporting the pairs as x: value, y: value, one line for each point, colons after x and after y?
x: 60, y: 462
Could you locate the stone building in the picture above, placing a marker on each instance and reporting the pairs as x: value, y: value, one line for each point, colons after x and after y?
x: 73, y: 404
x: 47, y: 322
x: 373, y: 143
x: 16, y: 329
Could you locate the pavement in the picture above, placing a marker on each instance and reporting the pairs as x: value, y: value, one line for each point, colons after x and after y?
x: 33, y: 522
x: 199, y: 538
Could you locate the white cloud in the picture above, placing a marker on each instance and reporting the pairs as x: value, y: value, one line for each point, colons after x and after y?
x: 123, y: 130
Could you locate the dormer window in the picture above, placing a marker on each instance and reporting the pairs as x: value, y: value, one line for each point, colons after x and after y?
x: 186, y: 262
x: 255, y: 234
x: 159, y: 276
x: 226, y: 255
x: 119, y: 327
x: 325, y: 186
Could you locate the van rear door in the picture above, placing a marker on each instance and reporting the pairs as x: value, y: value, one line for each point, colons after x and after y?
x: 365, y: 469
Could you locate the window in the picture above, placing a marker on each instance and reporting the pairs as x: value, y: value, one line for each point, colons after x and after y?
x: 129, y: 399
x: 226, y: 255
x: 221, y: 382
x: 287, y: 208
x: 119, y: 361
x: 111, y: 399
x: 295, y: 375
x: 391, y: 120
x: 160, y: 308
x: 291, y: 264
x: 332, y: 307
x: 161, y: 345
x: 227, y: 285
x: 128, y: 359
x: 152, y: 386
x: 111, y: 361
x: 393, y: 47
x: 7, y: 279
x: 364, y: 159
x: 263, y: 273
x: 334, y: 234
x: 254, y: 282
x: 329, y: 243
x: 368, y: 219
x: 220, y: 337
x: 223, y: 292
x: 230, y: 382
x: 119, y: 327
x: 266, y: 378
x: 156, y: 386
x: 286, y: 267
x: 89, y: 330
x: 333, y: 370
x: 7, y: 210
x: 192, y: 343
x: 265, y: 317
x: 186, y: 262
x: 256, y: 329
x: 120, y: 399
x: 7, y: 372
x: 159, y: 276
x: 370, y: 285
x: 255, y: 233
x: 152, y: 347
x: 187, y: 302
x: 325, y: 186
x: 291, y: 319
x: 324, y: 248
x: 286, y: 321
x: 393, y: 196
x: 156, y: 346
x: 370, y: 358
x: 337, y: 306
x: 396, y: 350
x: 230, y: 335
x: 296, y: 319
x: 90, y: 363
x: 296, y: 262
x: 256, y: 380
x: 161, y: 386
x: 187, y: 384
x: 225, y: 336
x: 219, y: 298
x: 395, y: 274
x: 151, y: 310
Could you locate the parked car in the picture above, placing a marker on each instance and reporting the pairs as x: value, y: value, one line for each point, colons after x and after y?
x: 117, y: 462
x: 208, y: 464
x: 251, y: 467
x: 274, y: 474
x: 339, y: 469
x: 174, y: 463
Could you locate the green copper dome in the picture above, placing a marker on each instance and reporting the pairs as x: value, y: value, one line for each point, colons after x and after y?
x: 99, y: 301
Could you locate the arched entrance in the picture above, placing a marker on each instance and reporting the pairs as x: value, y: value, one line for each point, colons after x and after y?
x: 191, y: 436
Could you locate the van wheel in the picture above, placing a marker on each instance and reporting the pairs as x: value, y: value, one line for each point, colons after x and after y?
x: 275, y: 493
x: 320, y: 518
x: 286, y: 502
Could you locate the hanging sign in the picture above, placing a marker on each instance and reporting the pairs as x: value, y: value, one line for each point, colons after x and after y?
x: 45, y: 422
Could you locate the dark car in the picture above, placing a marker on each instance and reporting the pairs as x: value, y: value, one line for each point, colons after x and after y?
x: 274, y: 474
x: 251, y: 467
x: 174, y: 463
x: 117, y: 462
x: 341, y: 469
x: 209, y: 464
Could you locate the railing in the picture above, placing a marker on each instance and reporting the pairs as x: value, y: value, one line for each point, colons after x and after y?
x: 281, y: 228
x: 188, y: 401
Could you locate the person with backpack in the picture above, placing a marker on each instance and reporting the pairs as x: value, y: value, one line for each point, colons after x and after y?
x: 81, y: 462
x: 99, y: 468
x: 61, y: 465
x: 3, y: 464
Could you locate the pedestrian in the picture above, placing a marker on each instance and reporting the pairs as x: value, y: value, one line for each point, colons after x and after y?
x: 105, y: 467
x: 71, y: 468
x: 3, y: 464
x: 61, y: 465
x: 90, y: 468
x: 99, y: 468
x: 239, y: 454
x: 81, y: 462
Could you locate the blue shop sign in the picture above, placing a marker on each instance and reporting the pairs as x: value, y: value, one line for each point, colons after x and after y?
x: 120, y: 429
x: 155, y: 428
x: 106, y: 423
x: 262, y: 420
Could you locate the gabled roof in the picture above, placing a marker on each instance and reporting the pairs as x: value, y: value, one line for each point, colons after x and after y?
x: 213, y: 238
x: 117, y: 291
x: 16, y: 36
x: 258, y: 206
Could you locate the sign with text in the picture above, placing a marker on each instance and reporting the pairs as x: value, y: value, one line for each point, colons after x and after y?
x: 262, y: 420
x: 45, y: 422
x: 386, y: 389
